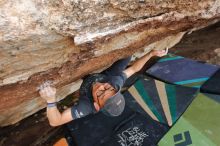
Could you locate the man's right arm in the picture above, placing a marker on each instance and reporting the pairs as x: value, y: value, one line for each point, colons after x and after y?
x: 54, y: 116
x: 83, y: 108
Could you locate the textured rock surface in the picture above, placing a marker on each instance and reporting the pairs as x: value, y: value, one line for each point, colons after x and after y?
x: 64, y: 40
x: 203, y: 45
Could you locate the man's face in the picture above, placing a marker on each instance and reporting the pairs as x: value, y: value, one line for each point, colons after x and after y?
x: 102, y: 92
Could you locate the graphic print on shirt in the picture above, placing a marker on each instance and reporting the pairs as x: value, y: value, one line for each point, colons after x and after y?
x: 132, y: 137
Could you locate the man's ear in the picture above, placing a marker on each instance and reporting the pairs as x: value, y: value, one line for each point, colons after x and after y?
x: 97, y: 107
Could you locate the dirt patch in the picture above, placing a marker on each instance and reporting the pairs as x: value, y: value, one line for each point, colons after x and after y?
x: 202, y: 45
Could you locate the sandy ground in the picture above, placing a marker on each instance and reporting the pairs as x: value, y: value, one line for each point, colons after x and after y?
x: 202, y: 45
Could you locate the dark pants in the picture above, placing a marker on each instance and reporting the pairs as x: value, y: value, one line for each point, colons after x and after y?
x: 117, y: 67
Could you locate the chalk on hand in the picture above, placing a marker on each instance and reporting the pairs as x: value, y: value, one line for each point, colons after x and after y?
x: 167, y: 50
x: 45, y: 84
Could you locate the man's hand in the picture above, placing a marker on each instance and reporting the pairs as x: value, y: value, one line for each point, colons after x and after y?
x: 139, y: 63
x: 48, y: 93
x: 54, y: 116
x: 159, y: 53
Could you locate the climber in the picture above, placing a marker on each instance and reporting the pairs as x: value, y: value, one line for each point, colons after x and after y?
x: 98, y: 92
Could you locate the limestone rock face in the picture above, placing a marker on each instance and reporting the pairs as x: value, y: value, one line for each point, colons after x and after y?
x: 64, y: 40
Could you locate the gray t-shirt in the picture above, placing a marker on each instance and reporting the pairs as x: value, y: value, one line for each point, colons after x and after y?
x: 85, y: 104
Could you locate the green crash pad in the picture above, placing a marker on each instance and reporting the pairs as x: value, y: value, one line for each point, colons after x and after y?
x: 198, y: 126
x: 163, y: 102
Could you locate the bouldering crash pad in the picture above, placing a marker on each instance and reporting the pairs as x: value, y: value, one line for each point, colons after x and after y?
x: 212, y: 85
x: 198, y: 126
x: 163, y: 102
x: 181, y: 71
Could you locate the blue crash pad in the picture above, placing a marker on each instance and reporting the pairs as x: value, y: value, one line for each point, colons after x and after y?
x: 182, y: 71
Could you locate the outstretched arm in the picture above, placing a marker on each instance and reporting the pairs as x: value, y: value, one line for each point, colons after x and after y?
x: 138, y: 64
x: 54, y: 116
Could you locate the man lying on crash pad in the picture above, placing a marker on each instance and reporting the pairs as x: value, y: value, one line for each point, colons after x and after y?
x: 98, y: 92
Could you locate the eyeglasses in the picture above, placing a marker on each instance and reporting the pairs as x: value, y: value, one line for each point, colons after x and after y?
x: 100, y: 93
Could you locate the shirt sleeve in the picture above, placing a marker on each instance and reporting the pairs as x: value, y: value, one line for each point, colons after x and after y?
x: 124, y: 76
x: 119, y: 80
x: 82, y: 108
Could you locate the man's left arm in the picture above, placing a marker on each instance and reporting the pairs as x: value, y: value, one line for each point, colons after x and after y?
x: 138, y: 64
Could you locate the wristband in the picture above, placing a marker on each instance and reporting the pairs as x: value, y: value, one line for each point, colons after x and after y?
x: 53, y: 104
